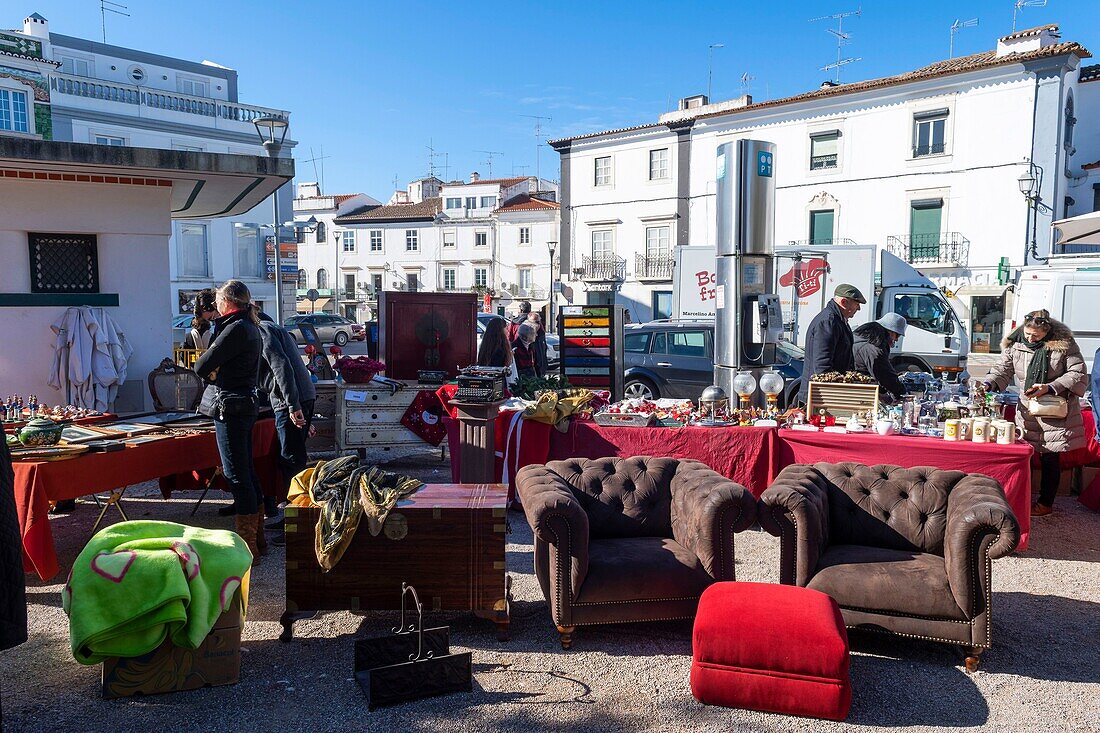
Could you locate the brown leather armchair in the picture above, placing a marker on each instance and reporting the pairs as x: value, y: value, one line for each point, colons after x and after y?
x: 903, y: 551
x: 630, y: 539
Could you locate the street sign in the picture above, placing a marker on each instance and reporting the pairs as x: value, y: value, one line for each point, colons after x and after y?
x: 312, y: 294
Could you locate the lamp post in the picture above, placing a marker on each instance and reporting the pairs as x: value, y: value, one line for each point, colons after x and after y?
x: 1031, y: 184
x: 272, y: 131
x: 336, y: 274
x: 553, y: 247
x: 296, y: 226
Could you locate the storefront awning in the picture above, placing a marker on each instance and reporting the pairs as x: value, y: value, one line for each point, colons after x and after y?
x: 1084, y: 229
x: 304, y: 306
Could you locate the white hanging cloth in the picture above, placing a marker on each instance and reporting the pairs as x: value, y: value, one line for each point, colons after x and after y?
x: 91, y: 353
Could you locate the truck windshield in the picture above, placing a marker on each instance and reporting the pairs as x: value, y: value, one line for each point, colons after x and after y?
x: 925, y: 311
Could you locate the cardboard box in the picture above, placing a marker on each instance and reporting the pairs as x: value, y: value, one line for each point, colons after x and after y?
x: 170, y: 668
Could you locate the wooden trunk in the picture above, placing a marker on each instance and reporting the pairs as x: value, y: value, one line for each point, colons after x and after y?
x: 447, y: 540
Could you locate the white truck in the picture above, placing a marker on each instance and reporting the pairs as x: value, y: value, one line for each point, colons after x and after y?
x: 1069, y: 288
x: 935, y: 340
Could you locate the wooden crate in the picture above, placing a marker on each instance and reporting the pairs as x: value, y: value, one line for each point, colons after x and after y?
x: 447, y: 540
x: 840, y: 399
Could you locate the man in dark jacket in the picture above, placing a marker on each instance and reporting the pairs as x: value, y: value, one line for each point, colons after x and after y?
x: 829, y: 339
x: 872, y: 354
x: 515, y: 321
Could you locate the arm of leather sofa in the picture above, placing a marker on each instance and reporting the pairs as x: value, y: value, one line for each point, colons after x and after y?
x: 560, y: 526
x: 707, y: 509
x: 980, y: 527
x: 795, y: 508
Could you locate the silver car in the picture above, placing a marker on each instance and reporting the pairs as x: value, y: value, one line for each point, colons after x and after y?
x: 330, y: 329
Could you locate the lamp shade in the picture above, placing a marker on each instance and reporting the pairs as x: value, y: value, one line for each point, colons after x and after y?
x: 744, y: 384
x: 271, y: 129
x: 771, y: 383
x: 1027, y: 183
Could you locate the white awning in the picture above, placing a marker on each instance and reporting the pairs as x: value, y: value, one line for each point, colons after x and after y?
x: 1084, y: 229
x: 304, y: 306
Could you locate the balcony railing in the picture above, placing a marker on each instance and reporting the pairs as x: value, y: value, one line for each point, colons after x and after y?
x: 82, y: 86
x: 603, y: 268
x: 820, y: 241
x: 821, y: 162
x: 653, y: 267
x: 950, y: 249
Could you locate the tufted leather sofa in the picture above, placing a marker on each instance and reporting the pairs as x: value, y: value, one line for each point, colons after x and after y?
x: 903, y: 551
x: 630, y: 539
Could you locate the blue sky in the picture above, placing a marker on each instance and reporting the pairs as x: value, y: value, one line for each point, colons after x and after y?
x: 374, y: 83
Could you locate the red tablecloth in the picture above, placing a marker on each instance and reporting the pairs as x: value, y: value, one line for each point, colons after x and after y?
x: 1009, y: 464
x: 36, y: 484
x: 745, y: 455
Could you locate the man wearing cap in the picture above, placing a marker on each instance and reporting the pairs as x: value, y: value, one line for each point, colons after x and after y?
x: 872, y: 353
x: 829, y: 339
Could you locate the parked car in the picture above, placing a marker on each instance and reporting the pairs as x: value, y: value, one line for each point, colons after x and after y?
x: 553, y: 343
x: 181, y: 324
x: 676, y: 359
x: 330, y: 328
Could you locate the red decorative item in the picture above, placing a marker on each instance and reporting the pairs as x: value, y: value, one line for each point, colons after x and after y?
x: 425, y: 418
x: 335, y: 350
x: 311, y: 349
x: 775, y: 648
x: 358, y: 369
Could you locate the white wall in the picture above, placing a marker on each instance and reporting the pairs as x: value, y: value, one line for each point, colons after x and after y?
x: 132, y: 226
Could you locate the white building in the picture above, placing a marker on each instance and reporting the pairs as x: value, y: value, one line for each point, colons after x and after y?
x: 490, y: 236
x: 109, y: 95
x: 925, y: 163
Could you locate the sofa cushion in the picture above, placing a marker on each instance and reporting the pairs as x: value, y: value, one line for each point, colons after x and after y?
x: 638, y: 569
x: 887, y: 581
x: 623, y: 497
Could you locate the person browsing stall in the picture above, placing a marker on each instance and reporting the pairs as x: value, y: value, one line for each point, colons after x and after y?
x: 829, y: 339
x: 524, y: 351
x: 871, y: 353
x: 495, y: 351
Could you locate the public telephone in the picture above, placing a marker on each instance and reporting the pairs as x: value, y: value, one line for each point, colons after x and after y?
x: 767, y: 319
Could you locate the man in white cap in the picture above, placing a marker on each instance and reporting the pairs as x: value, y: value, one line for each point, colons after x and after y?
x: 871, y: 350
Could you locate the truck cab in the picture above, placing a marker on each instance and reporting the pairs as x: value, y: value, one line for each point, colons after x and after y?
x: 1070, y: 291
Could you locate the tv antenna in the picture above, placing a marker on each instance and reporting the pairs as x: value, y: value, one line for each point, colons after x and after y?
x: 1021, y: 4
x: 746, y: 81
x: 957, y: 26
x: 489, y: 159
x: 394, y: 181
x: 318, y: 159
x: 107, y: 6
x: 842, y: 39
x: 521, y: 168
x: 433, y: 155
x: 538, y: 141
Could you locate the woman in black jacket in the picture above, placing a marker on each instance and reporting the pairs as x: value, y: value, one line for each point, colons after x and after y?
x: 871, y: 350
x: 231, y: 368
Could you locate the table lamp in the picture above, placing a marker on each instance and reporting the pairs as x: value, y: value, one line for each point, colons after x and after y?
x: 771, y: 383
x: 744, y: 384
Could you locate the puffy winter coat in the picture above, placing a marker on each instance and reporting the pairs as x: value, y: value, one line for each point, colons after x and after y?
x: 1066, y: 375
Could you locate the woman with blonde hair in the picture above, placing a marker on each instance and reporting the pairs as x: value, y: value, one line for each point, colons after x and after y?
x: 231, y: 367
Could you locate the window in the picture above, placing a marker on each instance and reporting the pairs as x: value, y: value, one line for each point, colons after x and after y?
x: 601, y: 244
x: 662, y: 304
x: 454, y: 203
x: 13, y: 111
x: 414, y: 282
x: 191, y: 250
x: 1071, y: 121
x: 658, y: 164
x: 660, y: 341
x: 821, y: 226
x: 524, y: 276
x: 75, y: 66
x: 412, y: 240
x: 349, y: 286
x: 525, y: 235
x: 348, y: 236
x: 187, y: 148
x: 488, y: 202
x: 471, y: 202
x: 321, y: 231
x: 322, y: 279
x: 929, y: 133
x: 481, y: 277
x: 449, y: 278
x: 303, y: 280
x: 375, y: 240
x: 481, y: 239
x: 928, y: 312
x: 657, y: 242
x: 247, y: 259
x: 64, y: 263
x: 687, y: 343
x: 637, y: 343
x: 823, y: 150
x: 194, y: 87
x: 376, y: 283
x: 603, y: 171
x: 109, y: 140
x: 448, y: 239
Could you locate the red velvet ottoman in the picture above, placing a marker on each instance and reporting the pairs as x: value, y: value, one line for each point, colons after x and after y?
x: 776, y: 648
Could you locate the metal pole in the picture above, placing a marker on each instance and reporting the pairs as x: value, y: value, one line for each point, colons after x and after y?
x: 336, y: 274
x: 273, y: 152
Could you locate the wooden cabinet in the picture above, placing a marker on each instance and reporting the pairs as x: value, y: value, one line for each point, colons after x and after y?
x: 427, y: 331
x: 370, y: 421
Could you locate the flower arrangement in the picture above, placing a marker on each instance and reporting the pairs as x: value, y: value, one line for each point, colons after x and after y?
x: 358, y: 369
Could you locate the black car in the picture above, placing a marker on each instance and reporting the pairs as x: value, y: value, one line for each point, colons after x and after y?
x: 676, y: 359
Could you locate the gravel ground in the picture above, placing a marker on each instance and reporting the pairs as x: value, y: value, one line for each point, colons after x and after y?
x: 1043, y: 673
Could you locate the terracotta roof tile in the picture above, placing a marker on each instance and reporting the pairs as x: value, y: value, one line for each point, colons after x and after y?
x: 426, y: 209
x: 524, y: 202
x: 1052, y: 27
x: 959, y: 65
x: 1090, y: 73
x: 342, y: 197
x: 1091, y: 166
x: 506, y: 182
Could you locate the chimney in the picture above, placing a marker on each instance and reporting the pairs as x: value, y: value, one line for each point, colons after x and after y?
x: 699, y: 100
x: 308, y: 189
x: 36, y: 26
x: 475, y: 177
x: 1031, y: 39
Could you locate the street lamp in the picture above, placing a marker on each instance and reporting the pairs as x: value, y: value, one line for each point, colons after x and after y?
x: 272, y: 131
x: 336, y: 273
x: 1027, y: 184
x: 1031, y: 185
x: 553, y: 247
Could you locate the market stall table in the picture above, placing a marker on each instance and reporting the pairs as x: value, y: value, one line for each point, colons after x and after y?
x: 39, y: 483
x: 1008, y: 464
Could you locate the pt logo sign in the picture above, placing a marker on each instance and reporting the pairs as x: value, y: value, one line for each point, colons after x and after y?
x: 807, y: 277
x: 764, y: 164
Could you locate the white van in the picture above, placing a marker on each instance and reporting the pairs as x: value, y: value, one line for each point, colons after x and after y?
x: 1070, y: 290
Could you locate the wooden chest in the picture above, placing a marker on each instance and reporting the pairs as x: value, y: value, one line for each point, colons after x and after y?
x: 447, y: 540
x: 369, y: 420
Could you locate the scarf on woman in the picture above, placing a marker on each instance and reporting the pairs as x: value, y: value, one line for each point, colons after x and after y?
x: 1040, y: 361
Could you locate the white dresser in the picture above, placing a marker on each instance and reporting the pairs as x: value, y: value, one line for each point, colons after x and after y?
x: 369, y: 420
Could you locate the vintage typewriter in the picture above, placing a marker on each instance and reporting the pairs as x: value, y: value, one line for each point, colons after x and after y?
x: 431, y: 377
x: 481, y: 384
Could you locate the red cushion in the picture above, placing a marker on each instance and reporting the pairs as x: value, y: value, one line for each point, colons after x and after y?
x: 776, y: 648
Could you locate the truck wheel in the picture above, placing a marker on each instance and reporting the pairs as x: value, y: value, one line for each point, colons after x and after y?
x: 641, y: 388
x: 906, y: 365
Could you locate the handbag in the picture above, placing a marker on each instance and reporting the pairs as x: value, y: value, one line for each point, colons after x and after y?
x: 219, y: 404
x: 1047, y: 406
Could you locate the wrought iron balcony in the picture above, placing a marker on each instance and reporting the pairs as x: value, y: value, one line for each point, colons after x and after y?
x: 653, y: 267
x: 949, y: 249
x: 604, y: 268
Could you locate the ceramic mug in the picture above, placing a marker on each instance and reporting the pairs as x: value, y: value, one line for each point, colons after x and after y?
x: 966, y: 427
x: 884, y: 427
x: 951, y: 430
x: 980, y: 430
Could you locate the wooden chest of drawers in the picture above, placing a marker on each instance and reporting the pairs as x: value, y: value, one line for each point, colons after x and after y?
x: 369, y: 420
x: 447, y: 540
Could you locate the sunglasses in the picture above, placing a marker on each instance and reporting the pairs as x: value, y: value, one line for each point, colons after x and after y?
x: 1037, y: 321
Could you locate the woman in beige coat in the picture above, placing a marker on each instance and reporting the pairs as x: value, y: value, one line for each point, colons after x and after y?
x: 1045, y: 360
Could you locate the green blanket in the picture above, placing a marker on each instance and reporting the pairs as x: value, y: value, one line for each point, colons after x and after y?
x: 137, y: 583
